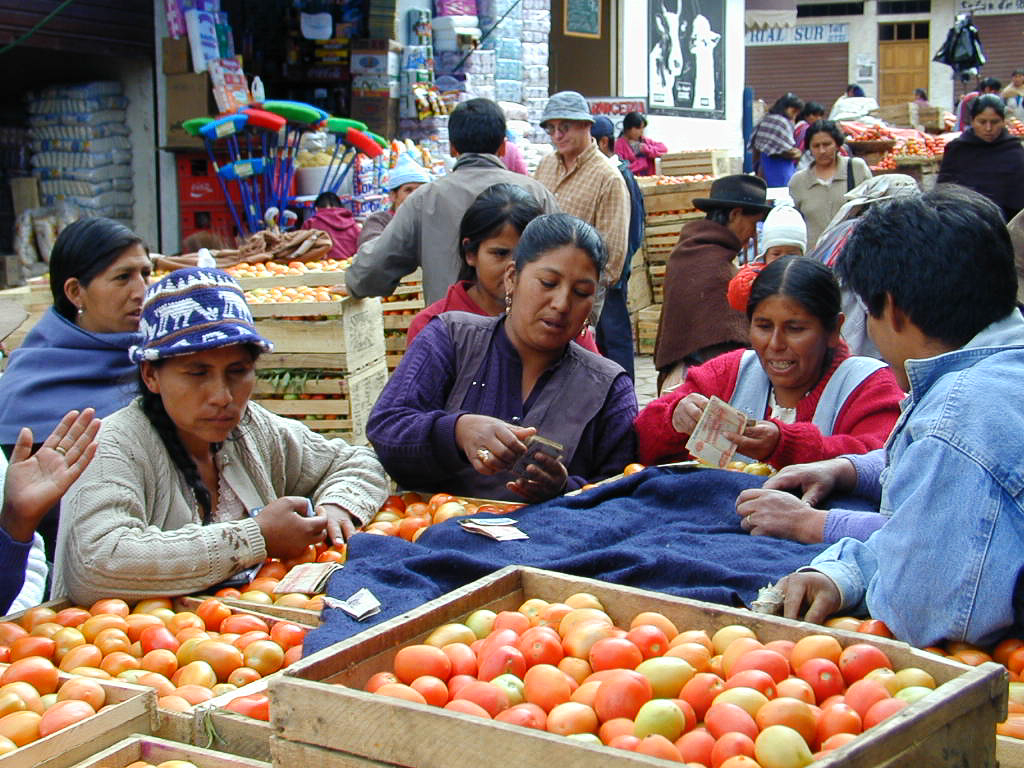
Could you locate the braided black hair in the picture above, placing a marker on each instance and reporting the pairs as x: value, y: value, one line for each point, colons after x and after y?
x: 153, y: 407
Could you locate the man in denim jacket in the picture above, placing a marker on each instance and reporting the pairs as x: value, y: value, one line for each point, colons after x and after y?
x: 936, y: 275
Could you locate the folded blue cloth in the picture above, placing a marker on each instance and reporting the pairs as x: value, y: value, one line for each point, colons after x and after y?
x: 660, y: 529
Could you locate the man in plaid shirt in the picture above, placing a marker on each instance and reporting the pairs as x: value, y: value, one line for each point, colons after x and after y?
x: 583, y: 182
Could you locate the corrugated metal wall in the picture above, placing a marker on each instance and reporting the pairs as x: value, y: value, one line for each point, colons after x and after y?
x: 1002, y: 39
x: 813, y: 72
x: 106, y: 27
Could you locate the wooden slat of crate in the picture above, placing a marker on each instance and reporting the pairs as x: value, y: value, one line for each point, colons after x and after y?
x: 272, y: 614
x: 132, y: 709
x: 712, y: 161
x: 398, y: 322
x: 322, y: 361
x: 154, y: 750
x: 639, y: 294
x: 288, y: 754
x: 334, y: 387
x: 953, y: 726
x: 1010, y: 752
x: 673, y: 197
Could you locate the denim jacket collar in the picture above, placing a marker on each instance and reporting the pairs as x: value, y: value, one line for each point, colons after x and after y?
x: 1007, y: 333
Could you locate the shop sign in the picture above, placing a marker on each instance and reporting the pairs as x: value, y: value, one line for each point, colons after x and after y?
x: 615, y: 109
x: 803, y: 34
x: 989, y: 7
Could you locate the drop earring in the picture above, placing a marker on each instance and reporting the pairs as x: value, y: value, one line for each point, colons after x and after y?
x: 508, y: 303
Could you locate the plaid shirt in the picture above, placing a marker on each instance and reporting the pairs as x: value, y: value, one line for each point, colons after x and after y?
x: 594, y: 191
x: 773, y: 135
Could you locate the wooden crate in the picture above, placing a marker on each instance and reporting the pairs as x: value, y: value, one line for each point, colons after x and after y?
x: 155, y: 750
x: 1010, y: 752
x: 647, y: 329
x: 659, y: 198
x: 272, y: 614
x: 661, y: 234
x: 953, y: 726
x: 711, y: 161
x: 910, y: 114
x: 131, y: 709
x: 638, y: 294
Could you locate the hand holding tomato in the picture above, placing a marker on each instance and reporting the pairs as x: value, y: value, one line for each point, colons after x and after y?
x: 778, y: 513
x: 758, y: 440
x: 490, y: 445
x: 286, y: 530
x: 545, y: 478
x: 687, y: 413
x: 813, y: 589
x: 815, y: 481
x: 341, y: 523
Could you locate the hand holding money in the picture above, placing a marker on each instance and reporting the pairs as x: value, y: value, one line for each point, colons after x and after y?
x: 758, y: 439
x: 688, y: 412
x: 709, y: 441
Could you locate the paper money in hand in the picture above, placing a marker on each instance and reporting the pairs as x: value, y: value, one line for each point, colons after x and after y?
x: 708, y: 441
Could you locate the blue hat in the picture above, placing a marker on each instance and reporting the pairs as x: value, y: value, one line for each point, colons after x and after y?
x: 406, y: 171
x: 602, y: 127
x: 192, y: 310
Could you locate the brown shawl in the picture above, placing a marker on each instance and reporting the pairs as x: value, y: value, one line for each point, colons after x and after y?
x: 696, y: 313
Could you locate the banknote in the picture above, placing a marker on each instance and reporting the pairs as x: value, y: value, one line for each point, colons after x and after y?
x: 708, y: 441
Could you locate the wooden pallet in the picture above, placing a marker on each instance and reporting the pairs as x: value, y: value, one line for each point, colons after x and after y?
x: 647, y: 328
x: 320, y: 703
x: 710, y: 161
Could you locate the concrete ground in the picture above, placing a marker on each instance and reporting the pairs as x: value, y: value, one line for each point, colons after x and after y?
x: 646, y: 379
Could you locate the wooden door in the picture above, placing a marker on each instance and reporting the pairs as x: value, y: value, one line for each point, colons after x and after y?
x: 902, y: 67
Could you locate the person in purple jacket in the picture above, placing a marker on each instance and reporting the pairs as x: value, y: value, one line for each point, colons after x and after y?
x: 471, y: 391
x: 34, y: 483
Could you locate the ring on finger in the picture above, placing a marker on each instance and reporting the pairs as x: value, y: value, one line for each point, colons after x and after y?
x: 483, y: 454
x: 61, y: 451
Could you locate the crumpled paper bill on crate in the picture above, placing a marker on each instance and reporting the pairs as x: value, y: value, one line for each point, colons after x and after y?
x: 497, y: 528
x: 361, y: 605
x: 307, y: 578
x: 770, y: 600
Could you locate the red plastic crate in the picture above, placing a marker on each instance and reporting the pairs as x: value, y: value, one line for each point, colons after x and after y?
x: 213, y: 217
x: 197, y: 183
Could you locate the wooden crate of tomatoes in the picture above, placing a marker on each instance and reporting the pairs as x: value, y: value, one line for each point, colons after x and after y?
x: 711, y: 162
x: 560, y: 670
x: 141, y: 751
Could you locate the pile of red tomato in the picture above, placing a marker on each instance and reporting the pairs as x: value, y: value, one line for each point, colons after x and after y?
x: 187, y: 657
x: 722, y: 701
x: 34, y: 703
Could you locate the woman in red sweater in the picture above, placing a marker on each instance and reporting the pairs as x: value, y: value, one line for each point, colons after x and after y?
x: 488, y: 235
x: 807, y: 397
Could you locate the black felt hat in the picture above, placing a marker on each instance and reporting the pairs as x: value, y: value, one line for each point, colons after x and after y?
x: 738, y: 191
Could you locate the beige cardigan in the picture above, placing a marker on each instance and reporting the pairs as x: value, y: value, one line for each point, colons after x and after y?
x: 819, y: 203
x: 130, y: 526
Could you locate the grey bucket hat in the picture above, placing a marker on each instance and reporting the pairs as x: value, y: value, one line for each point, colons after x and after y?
x: 567, y: 105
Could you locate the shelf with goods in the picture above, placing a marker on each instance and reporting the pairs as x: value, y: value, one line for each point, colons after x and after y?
x: 323, y: 715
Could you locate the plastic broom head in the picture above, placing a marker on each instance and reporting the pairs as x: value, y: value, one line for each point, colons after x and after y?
x: 378, y: 138
x: 241, y: 169
x: 363, y: 143
x: 222, y: 127
x: 268, y: 121
x: 342, y: 124
x: 193, y: 125
x: 296, y: 111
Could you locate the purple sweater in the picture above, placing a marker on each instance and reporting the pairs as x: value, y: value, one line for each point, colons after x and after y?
x: 843, y: 523
x: 415, y: 437
x: 13, y: 559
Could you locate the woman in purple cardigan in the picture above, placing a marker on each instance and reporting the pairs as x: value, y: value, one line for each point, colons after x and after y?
x: 471, y: 391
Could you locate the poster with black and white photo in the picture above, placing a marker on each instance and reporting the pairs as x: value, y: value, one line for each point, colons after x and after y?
x: 686, y: 64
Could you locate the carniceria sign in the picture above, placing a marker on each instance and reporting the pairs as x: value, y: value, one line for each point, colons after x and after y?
x: 799, y: 34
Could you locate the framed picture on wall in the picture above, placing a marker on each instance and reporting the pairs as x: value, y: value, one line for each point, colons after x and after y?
x: 686, y: 58
x: 582, y: 18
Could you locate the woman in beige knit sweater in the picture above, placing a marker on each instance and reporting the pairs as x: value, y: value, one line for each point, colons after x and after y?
x: 818, y: 190
x: 192, y: 482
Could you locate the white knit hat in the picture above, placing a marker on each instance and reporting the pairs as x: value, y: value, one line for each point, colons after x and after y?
x: 784, y: 226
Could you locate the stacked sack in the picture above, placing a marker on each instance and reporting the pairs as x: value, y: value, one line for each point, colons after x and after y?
x: 505, y: 17
x: 536, y: 33
x: 81, y: 152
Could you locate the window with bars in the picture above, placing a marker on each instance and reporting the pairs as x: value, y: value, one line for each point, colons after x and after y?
x: 808, y: 10
x: 888, y: 7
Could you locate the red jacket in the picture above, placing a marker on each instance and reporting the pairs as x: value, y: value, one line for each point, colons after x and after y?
x: 341, y: 225
x: 640, y: 165
x: 863, y: 425
x: 458, y: 300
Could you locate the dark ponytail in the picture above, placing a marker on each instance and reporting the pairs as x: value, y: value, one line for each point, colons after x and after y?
x: 153, y: 407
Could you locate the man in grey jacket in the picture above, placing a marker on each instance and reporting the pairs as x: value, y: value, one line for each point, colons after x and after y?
x: 425, y: 230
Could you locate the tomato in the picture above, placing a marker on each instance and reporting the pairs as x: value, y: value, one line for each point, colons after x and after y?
x: 160, y: 660
x: 230, y: 592
x: 695, y: 654
x: 883, y: 709
x: 265, y: 656
x: 152, y: 604
x: 614, y: 653
x: 863, y: 694
x: 242, y: 641
x: 514, y: 620
x: 195, y: 673
x: 795, y: 688
x: 772, y: 662
x: 577, y: 669
x: 83, y: 689
x: 656, y: 745
x: 91, y: 627
x: 737, y: 648
x: 222, y: 657
x: 11, y: 702
x: 649, y: 639
x: 243, y: 676
x: 723, y: 717
x: 62, y: 714
x: 272, y: 569
x: 139, y: 621
x: 780, y: 745
x: 617, y: 726
x: 823, y: 676
x: 546, y: 686
x: 581, y: 637
x: 71, y: 617
x: 432, y: 689
x: 505, y: 659
x: 860, y: 658
x: 700, y: 690
x: 798, y: 715
x: 571, y: 717
x: 256, y: 706
x: 155, y: 637
x: 118, y: 661
x: 20, y: 727
x: 9, y: 632
x: 633, y: 468
x: 30, y: 645
x: 292, y: 655
x: 552, y: 615
x: 540, y: 645
x: 730, y: 745
x: 112, y: 639
x: 378, y: 679
x: 37, y: 615
x: 838, y: 718
x: 757, y: 679
x: 414, y: 661
x: 111, y: 605
x: 212, y: 611
x: 34, y: 670
x: 655, y: 619
x: 462, y: 658
x: 240, y: 623
x: 874, y: 627
x: 724, y: 637
x: 157, y: 682
x: 1001, y: 653
x: 467, y: 707
x: 696, y: 746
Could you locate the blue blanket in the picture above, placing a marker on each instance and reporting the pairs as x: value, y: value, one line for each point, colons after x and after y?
x: 660, y: 529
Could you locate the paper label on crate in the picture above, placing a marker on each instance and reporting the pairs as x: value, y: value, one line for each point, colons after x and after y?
x: 308, y: 578
x: 493, y: 528
x: 361, y: 605
x: 363, y: 329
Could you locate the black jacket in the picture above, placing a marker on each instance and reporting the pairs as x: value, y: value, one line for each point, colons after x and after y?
x: 995, y: 169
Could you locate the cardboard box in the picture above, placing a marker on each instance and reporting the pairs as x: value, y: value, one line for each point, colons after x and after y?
x: 175, y: 56
x: 188, y: 95
x: 25, y: 193
x: 380, y: 113
x: 376, y: 57
x: 319, y: 718
x: 375, y: 86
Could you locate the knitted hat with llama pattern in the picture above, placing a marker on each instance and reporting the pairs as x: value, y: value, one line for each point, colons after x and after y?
x: 192, y: 310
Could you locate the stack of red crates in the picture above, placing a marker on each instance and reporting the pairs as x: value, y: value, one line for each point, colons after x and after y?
x: 201, y: 199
